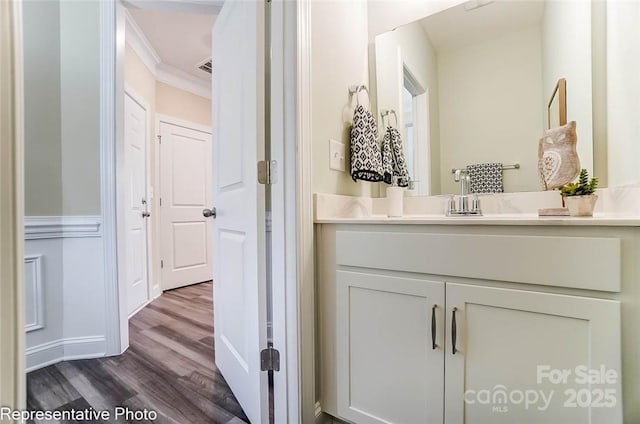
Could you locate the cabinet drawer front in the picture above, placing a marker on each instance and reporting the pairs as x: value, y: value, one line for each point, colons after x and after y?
x: 577, y: 262
x: 513, y: 342
x: 388, y: 369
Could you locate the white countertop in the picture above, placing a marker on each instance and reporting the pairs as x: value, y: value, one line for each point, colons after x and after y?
x: 497, y: 219
x: 618, y: 207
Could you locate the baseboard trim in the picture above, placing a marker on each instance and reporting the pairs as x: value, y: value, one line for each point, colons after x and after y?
x: 48, y: 227
x: 65, y: 350
x: 323, y: 418
x: 139, y: 308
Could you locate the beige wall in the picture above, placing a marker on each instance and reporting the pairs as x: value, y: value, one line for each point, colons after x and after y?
x: 338, y: 60
x: 43, y: 145
x: 567, y: 54
x: 497, y: 118
x: 342, y: 34
x: 182, y: 104
x: 623, y: 92
x: 139, y: 77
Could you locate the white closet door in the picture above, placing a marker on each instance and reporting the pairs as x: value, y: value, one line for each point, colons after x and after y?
x: 185, y: 180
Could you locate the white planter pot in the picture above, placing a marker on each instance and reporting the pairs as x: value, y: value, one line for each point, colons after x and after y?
x: 581, y: 205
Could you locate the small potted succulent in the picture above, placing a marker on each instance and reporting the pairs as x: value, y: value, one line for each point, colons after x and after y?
x: 580, y: 197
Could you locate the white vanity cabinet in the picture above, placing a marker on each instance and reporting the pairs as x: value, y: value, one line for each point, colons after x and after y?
x: 386, y: 330
x: 389, y: 345
x: 517, y: 342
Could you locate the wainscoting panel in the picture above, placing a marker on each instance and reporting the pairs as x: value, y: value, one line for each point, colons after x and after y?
x: 47, y: 227
x: 34, y: 295
x: 64, y: 289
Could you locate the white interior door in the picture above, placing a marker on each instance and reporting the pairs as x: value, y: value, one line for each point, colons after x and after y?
x: 185, y: 181
x: 135, y: 160
x: 239, y: 229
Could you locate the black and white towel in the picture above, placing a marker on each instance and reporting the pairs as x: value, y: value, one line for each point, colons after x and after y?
x: 393, y: 160
x: 485, y: 178
x: 366, y: 160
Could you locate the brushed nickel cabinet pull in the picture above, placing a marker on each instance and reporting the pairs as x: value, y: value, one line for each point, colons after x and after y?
x: 454, y: 331
x: 433, y: 327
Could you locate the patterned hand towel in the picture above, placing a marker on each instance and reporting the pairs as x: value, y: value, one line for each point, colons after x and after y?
x: 486, y: 178
x: 366, y: 160
x: 393, y: 160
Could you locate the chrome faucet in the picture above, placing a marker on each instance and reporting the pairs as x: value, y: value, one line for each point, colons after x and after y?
x: 462, y: 176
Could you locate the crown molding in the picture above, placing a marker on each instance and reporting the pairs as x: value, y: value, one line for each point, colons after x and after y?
x: 135, y: 38
x: 139, y: 43
x: 205, y: 7
x: 180, y: 79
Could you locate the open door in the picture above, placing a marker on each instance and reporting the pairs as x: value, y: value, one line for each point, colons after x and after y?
x: 239, y: 228
x: 185, y: 181
x: 136, y: 213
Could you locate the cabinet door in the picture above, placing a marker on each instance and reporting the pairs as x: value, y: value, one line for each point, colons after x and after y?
x: 522, y: 357
x: 390, y: 356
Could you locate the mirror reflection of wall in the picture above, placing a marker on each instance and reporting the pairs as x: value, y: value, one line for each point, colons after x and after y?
x: 415, y: 118
x: 410, y: 68
x: 486, y: 74
x: 409, y: 136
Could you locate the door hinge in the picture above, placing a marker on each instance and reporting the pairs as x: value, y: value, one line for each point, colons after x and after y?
x: 161, y: 201
x: 267, y: 172
x: 161, y: 264
x: 270, y: 359
x: 160, y: 139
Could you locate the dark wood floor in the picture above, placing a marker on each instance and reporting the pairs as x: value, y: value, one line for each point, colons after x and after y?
x: 168, y: 368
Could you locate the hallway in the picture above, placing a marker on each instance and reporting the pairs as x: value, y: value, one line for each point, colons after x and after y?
x: 169, y: 367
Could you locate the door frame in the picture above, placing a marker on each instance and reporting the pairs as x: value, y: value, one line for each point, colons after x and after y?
x: 310, y: 408
x: 157, y: 191
x: 121, y: 210
x: 296, y: 321
x: 12, y: 304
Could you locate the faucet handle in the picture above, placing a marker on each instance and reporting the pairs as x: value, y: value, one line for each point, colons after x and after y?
x: 475, y: 204
x: 451, y: 205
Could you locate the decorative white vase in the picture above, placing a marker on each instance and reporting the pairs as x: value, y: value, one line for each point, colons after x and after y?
x: 581, y: 205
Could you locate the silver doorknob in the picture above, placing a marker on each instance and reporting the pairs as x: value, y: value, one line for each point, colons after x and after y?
x: 209, y: 213
x: 146, y: 214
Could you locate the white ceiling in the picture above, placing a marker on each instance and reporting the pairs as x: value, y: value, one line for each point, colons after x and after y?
x: 181, y: 40
x: 457, y: 27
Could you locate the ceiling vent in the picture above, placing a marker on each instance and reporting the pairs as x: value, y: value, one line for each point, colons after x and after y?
x: 206, y: 66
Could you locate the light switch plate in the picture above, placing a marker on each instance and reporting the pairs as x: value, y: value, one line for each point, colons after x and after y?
x: 337, y: 152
